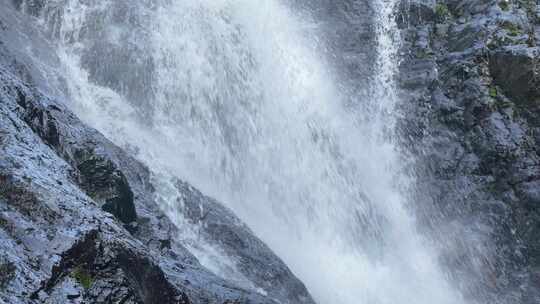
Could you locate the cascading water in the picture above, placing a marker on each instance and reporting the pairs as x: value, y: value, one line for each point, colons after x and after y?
x: 236, y: 97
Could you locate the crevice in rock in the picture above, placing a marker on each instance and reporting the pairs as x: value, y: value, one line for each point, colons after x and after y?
x: 110, y: 273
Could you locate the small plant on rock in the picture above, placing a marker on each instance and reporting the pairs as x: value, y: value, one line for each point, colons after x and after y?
x: 83, y: 277
x: 442, y: 12
x: 493, y: 92
x: 512, y: 29
x: 504, y: 5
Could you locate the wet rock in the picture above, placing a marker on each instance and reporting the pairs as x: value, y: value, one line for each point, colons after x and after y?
x: 516, y: 69
x: 469, y: 127
x: 411, y: 14
x: 219, y: 225
x: 129, y: 274
x: 96, y: 173
x: 104, y: 182
x: 529, y: 192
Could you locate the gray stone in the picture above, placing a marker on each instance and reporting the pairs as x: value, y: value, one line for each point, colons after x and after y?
x: 516, y: 69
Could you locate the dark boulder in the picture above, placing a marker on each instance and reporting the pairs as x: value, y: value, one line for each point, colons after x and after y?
x: 516, y: 69
x: 105, y: 183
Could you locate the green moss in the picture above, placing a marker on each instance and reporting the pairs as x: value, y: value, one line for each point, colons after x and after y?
x: 504, y: 5
x: 512, y: 29
x: 423, y: 54
x: 493, y: 92
x: 442, y: 12
x: 83, y: 277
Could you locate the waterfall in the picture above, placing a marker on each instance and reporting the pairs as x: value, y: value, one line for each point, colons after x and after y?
x: 238, y: 98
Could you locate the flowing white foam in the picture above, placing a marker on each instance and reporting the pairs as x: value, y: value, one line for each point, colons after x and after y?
x: 244, y: 107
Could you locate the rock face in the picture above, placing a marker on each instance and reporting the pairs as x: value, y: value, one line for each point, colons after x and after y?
x: 471, y: 105
x: 79, y: 222
x: 515, y: 69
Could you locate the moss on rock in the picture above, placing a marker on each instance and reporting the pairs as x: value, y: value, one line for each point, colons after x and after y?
x: 83, y: 277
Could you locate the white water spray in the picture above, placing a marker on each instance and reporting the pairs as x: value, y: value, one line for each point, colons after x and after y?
x: 242, y: 105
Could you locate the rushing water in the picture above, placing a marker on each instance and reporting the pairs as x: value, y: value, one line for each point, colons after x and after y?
x: 238, y: 98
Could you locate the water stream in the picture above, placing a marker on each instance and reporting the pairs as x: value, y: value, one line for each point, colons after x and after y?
x: 238, y: 97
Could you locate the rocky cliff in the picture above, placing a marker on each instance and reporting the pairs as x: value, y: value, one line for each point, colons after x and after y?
x: 469, y: 74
